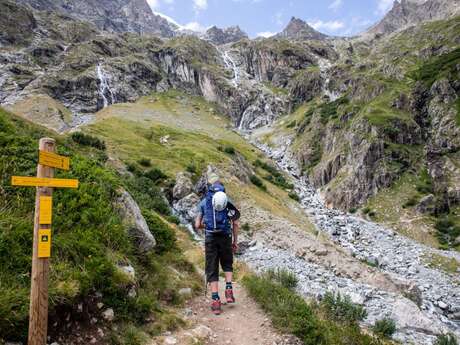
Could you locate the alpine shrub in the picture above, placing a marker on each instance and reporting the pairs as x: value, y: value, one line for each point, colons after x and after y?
x: 294, y: 196
x: 385, y: 327
x: 341, y: 308
x: 155, y: 175
x: 446, y: 339
x: 284, y: 277
x: 258, y: 182
x: 145, y: 162
x: 88, y: 140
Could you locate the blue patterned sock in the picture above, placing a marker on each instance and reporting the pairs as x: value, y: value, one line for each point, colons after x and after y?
x: 215, y: 296
x: 229, y: 285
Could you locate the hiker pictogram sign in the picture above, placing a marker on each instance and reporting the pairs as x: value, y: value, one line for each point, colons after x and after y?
x: 44, y: 182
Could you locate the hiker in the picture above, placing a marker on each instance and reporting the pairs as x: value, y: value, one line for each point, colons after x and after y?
x: 219, y: 218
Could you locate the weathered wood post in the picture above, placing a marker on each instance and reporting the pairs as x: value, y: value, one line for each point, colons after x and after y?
x: 38, y: 315
x: 44, y: 182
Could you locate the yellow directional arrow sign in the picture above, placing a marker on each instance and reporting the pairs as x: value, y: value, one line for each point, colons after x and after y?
x: 53, y: 160
x: 43, y: 182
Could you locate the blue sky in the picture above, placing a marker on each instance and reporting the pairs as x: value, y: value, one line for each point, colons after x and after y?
x: 263, y: 17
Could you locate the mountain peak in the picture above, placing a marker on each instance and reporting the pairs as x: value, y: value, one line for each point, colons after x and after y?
x: 298, y: 29
x: 226, y: 35
x: 407, y: 13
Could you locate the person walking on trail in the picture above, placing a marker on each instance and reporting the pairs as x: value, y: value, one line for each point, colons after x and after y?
x: 219, y: 218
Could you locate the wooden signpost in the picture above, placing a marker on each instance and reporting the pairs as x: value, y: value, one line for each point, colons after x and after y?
x: 48, y: 160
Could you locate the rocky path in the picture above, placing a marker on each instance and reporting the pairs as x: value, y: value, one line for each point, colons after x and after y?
x: 242, y: 323
x: 423, y: 301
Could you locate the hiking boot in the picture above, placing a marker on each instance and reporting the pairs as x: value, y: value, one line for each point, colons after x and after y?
x: 216, y: 307
x: 229, y: 296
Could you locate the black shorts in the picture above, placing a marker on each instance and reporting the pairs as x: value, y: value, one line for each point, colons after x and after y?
x: 218, y: 248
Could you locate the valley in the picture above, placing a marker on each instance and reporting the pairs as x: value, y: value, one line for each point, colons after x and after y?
x: 342, y: 153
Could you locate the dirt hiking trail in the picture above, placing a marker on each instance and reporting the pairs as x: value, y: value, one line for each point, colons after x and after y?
x: 242, y: 323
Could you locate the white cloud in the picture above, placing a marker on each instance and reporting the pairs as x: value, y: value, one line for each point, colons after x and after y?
x: 383, y: 6
x: 336, y: 5
x: 266, y: 34
x: 200, y: 5
x: 194, y: 26
x: 153, y: 3
x: 333, y: 25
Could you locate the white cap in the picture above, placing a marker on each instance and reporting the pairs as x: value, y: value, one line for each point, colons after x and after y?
x: 219, y: 201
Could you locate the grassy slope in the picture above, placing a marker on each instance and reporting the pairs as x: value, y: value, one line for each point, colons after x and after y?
x: 402, y: 50
x: 89, y: 240
x: 196, y: 131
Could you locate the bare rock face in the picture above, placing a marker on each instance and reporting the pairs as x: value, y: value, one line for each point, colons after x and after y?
x: 111, y: 15
x: 223, y: 36
x: 411, y: 12
x: 183, y: 186
x: 135, y: 222
x: 297, y: 29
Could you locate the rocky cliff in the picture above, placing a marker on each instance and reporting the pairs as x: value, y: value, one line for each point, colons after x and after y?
x: 407, y: 13
x: 223, y: 36
x: 113, y: 16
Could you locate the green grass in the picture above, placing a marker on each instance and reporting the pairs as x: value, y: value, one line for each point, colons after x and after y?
x: 449, y: 265
x: 274, y: 175
x: 310, y: 322
x: 446, y: 339
x: 89, y: 238
x: 437, y: 68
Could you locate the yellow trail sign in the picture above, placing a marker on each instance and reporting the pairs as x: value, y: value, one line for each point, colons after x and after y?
x: 53, y: 160
x: 46, y: 207
x: 43, y: 182
x: 44, y: 243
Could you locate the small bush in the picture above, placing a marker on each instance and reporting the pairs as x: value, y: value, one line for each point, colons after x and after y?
x: 246, y: 227
x: 284, y: 277
x: 164, y: 235
x: 411, y: 202
x: 366, y: 210
x: 155, y: 175
x: 145, y: 162
x: 133, y: 168
x: 446, y: 339
x: 291, y: 124
x: 230, y: 150
x: 385, y: 327
x: 275, y: 176
x: 341, y: 308
x: 294, y: 196
x: 88, y: 140
x: 173, y: 219
x: 425, y: 183
x: 372, y: 214
x: 353, y: 210
x: 447, y: 230
x: 258, y: 182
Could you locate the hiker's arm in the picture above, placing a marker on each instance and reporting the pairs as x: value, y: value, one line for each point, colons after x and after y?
x: 199, y: 222
x: 236, y: 227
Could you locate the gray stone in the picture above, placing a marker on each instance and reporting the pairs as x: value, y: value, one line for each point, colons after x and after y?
x: 186, y: 292
x: 108, y: 315
x: 135, y: 222
x: 183, y: 186
x: 427, y: 204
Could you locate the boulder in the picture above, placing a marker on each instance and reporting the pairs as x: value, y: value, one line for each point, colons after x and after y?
x: 108, y: 315
x: 135, y: 223
x: 183, y: 186
x: 427, y: 204
x: 188, y: 207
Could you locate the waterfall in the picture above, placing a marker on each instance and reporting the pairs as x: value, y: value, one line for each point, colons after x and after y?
x: 324, y: 66
x: 104, y: 87
x: 231, y: 64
